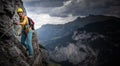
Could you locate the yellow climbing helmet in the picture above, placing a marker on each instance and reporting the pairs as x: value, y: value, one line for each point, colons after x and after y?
x: 19, y: 10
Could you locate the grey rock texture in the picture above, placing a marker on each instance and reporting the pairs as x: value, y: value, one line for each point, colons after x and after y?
x: 12, y: 53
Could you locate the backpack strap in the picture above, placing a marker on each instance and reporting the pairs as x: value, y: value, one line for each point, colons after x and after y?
x: 31, y: 23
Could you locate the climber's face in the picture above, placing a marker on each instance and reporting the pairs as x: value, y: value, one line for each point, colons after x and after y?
x: 20, y: 14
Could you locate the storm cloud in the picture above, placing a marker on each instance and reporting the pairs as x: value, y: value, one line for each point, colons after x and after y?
x: 42, y: 6
x: 44, y: 3
x: 86, y: 7
x: 70, y: 9
x: 74, y: 7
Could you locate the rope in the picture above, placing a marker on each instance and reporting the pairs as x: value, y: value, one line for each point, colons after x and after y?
x: 14, y: 30
x: 5, y: 32
x: 10, y: 28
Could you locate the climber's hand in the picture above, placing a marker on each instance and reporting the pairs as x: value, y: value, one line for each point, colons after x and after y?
x: 16, y: 23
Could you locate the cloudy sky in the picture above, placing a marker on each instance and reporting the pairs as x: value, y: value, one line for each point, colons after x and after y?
x: 63, y: 11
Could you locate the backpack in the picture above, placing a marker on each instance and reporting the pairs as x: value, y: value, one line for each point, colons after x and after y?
x: 31, y: 23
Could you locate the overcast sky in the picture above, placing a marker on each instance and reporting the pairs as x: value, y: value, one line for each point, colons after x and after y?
x: 63, y: 11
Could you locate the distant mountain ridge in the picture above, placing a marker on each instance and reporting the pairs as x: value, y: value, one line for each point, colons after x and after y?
x: 89, y: 41
x: 50, y: 32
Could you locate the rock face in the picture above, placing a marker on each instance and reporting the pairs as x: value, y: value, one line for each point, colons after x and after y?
x: 12, y: 53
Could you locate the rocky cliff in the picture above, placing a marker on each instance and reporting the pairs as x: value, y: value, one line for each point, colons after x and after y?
x: 12, y: 53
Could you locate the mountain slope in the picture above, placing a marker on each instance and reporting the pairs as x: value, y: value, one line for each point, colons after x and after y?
x: 96, y: 43
x: 49, y: 32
